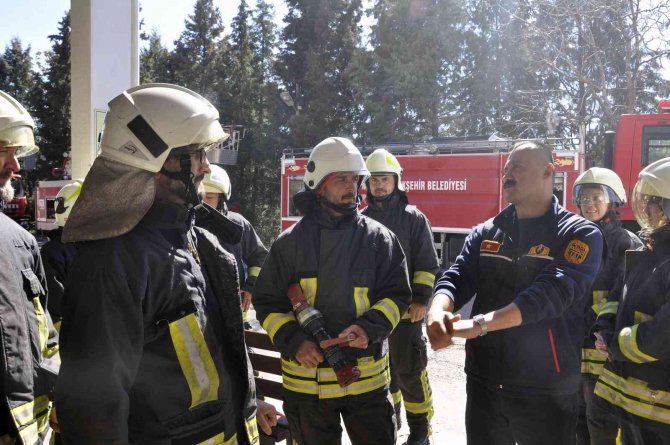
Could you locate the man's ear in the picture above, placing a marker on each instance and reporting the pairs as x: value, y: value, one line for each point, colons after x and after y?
x: 549, y: 170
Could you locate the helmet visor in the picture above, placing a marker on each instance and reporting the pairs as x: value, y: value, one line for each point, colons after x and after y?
x: 21, y: 138
x: 595, y: 194
x: 648, y: 207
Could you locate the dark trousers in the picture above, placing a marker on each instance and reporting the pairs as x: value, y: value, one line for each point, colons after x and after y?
x: 407, y: 350
x: 595, y: 426
x: 632, y: 434
x: 368, y: 418
x: 497, y: 417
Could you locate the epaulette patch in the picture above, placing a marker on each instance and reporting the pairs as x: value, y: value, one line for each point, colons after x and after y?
x: 489, y: 246
x: 540, y: 249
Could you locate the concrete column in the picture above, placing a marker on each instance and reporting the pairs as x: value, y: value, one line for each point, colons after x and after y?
x: 105, y: 62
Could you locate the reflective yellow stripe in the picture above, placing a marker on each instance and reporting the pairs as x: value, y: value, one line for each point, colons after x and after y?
x: 42, y: 327
x: 397, y: 397
x: 406, y: 316
x: 57, y: 327
x: 195, y: 360
x: 593, y: 355
x: 629, y: 348
x: 426, y: 406
x: 423, y: 277
x: 29, y: 411
x: 609, y: 308
x: 30, y: 435
x: 599, y: 300
x: 253, y: 271
x: 390, y: 310
x: 640, y: 317
x: 309, y: 286
x: 276, y: 320
x: 323, y: 381
x: 634, y: 396
x: 361, y: 299
x: 592, y: 368
x: 220, y: 439
x: 592, y: 361
x: 252, y: 430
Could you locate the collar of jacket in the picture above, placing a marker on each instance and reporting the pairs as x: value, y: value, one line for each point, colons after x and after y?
x: 396, y: 197
x: 326, y: 221
x: 165, y: 215
x: 225, y: 229
x: 507, y: 220
x: 610, y: 221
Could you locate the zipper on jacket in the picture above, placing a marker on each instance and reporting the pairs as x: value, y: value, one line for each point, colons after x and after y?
x: 553, y: 351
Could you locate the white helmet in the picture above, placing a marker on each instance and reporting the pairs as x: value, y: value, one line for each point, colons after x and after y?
x: 381, y: 162
x: 651, y: 196
x: 65, y: 199
x: 333, y: 155
x: 604, y: 178
x: 145, y: 123
x: 217, y: 181
x: 16, y: 127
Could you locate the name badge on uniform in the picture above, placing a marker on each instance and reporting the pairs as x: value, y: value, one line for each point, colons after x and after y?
x: 576, y: 252
x: 489, y: 246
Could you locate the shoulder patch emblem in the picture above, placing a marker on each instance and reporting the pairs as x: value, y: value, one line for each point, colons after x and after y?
x: 489, y: 246
x: 577, y: 251
x: 540, y: 249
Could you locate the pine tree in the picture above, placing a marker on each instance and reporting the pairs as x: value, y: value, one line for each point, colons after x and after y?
x: 155, y: 61
x: 16, y: 77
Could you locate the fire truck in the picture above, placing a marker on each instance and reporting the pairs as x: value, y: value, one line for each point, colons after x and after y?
x: 457, y: 183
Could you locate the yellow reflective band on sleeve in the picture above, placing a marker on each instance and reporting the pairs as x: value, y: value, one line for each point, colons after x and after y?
x: 397, y: 397
x: 276, y: 320
x: 361, y: 299
x: 641, y: 317
x: 629, y: 347
x: 195, y: 360
x: 309, y: 286
x: 390, y: 310
x: 42, y: 326
x: 609, y: 308
x: 30, y: 435
x: 253, y: 271
x: 592, y: 361
x: 220, y: 439
x: 634, y: 396
x: 252, y: 430
x: 599, y: 300
x: 423, y: 277
x: 57, y: 325
x: 29, y: 411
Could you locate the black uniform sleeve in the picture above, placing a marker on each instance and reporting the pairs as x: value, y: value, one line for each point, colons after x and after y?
x: 253, y: 254
x: 51, y: 351
x: 392, y: 292
x: 566, y: 278
x: 54, y: 268
x: 424, y: 260
x: 102, y: 340
x: 273, y: 308
x: 646, y: 341
x: 460, y: 280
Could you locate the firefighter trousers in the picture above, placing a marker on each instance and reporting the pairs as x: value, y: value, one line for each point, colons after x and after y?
x: 632, y: 434
x: 497, y: 417
x: 368, y: 418
x: 595, y: 426
x: 409, y: 379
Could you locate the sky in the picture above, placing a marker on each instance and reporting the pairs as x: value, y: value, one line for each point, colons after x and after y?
x: 20, y: 19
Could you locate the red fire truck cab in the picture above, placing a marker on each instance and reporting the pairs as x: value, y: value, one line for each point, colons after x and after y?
x: 456, y: 182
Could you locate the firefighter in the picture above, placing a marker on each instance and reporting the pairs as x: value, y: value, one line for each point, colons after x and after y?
x: 152, y: 338
x: 388, y: 204
x: 352, y: 270
x: 530, y: 267
x: 250, y: 251
x: 598, y: 192
x: 635, y: 382
x: 57, y: 255
x: 29, y: 347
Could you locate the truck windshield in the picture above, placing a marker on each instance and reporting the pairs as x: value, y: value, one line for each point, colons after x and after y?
x: 655, y: 143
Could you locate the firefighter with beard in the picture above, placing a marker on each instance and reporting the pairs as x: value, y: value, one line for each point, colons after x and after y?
x: 388, y: 204
x: 250, y: 251
x: 29, y: 358
x: 635, y: 382
x: 598, y: 192
x: 351, y: 269
x: 57, y: 255
x: 152, y: 336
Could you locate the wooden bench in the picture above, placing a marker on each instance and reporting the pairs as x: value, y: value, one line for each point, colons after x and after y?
x: 266, y: 361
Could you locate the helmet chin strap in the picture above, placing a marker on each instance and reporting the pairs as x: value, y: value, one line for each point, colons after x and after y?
x: 187, y: 178
x: 343, y: 209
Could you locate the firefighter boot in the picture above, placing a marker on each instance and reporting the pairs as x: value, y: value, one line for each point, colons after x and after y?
x: 417, y: 439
